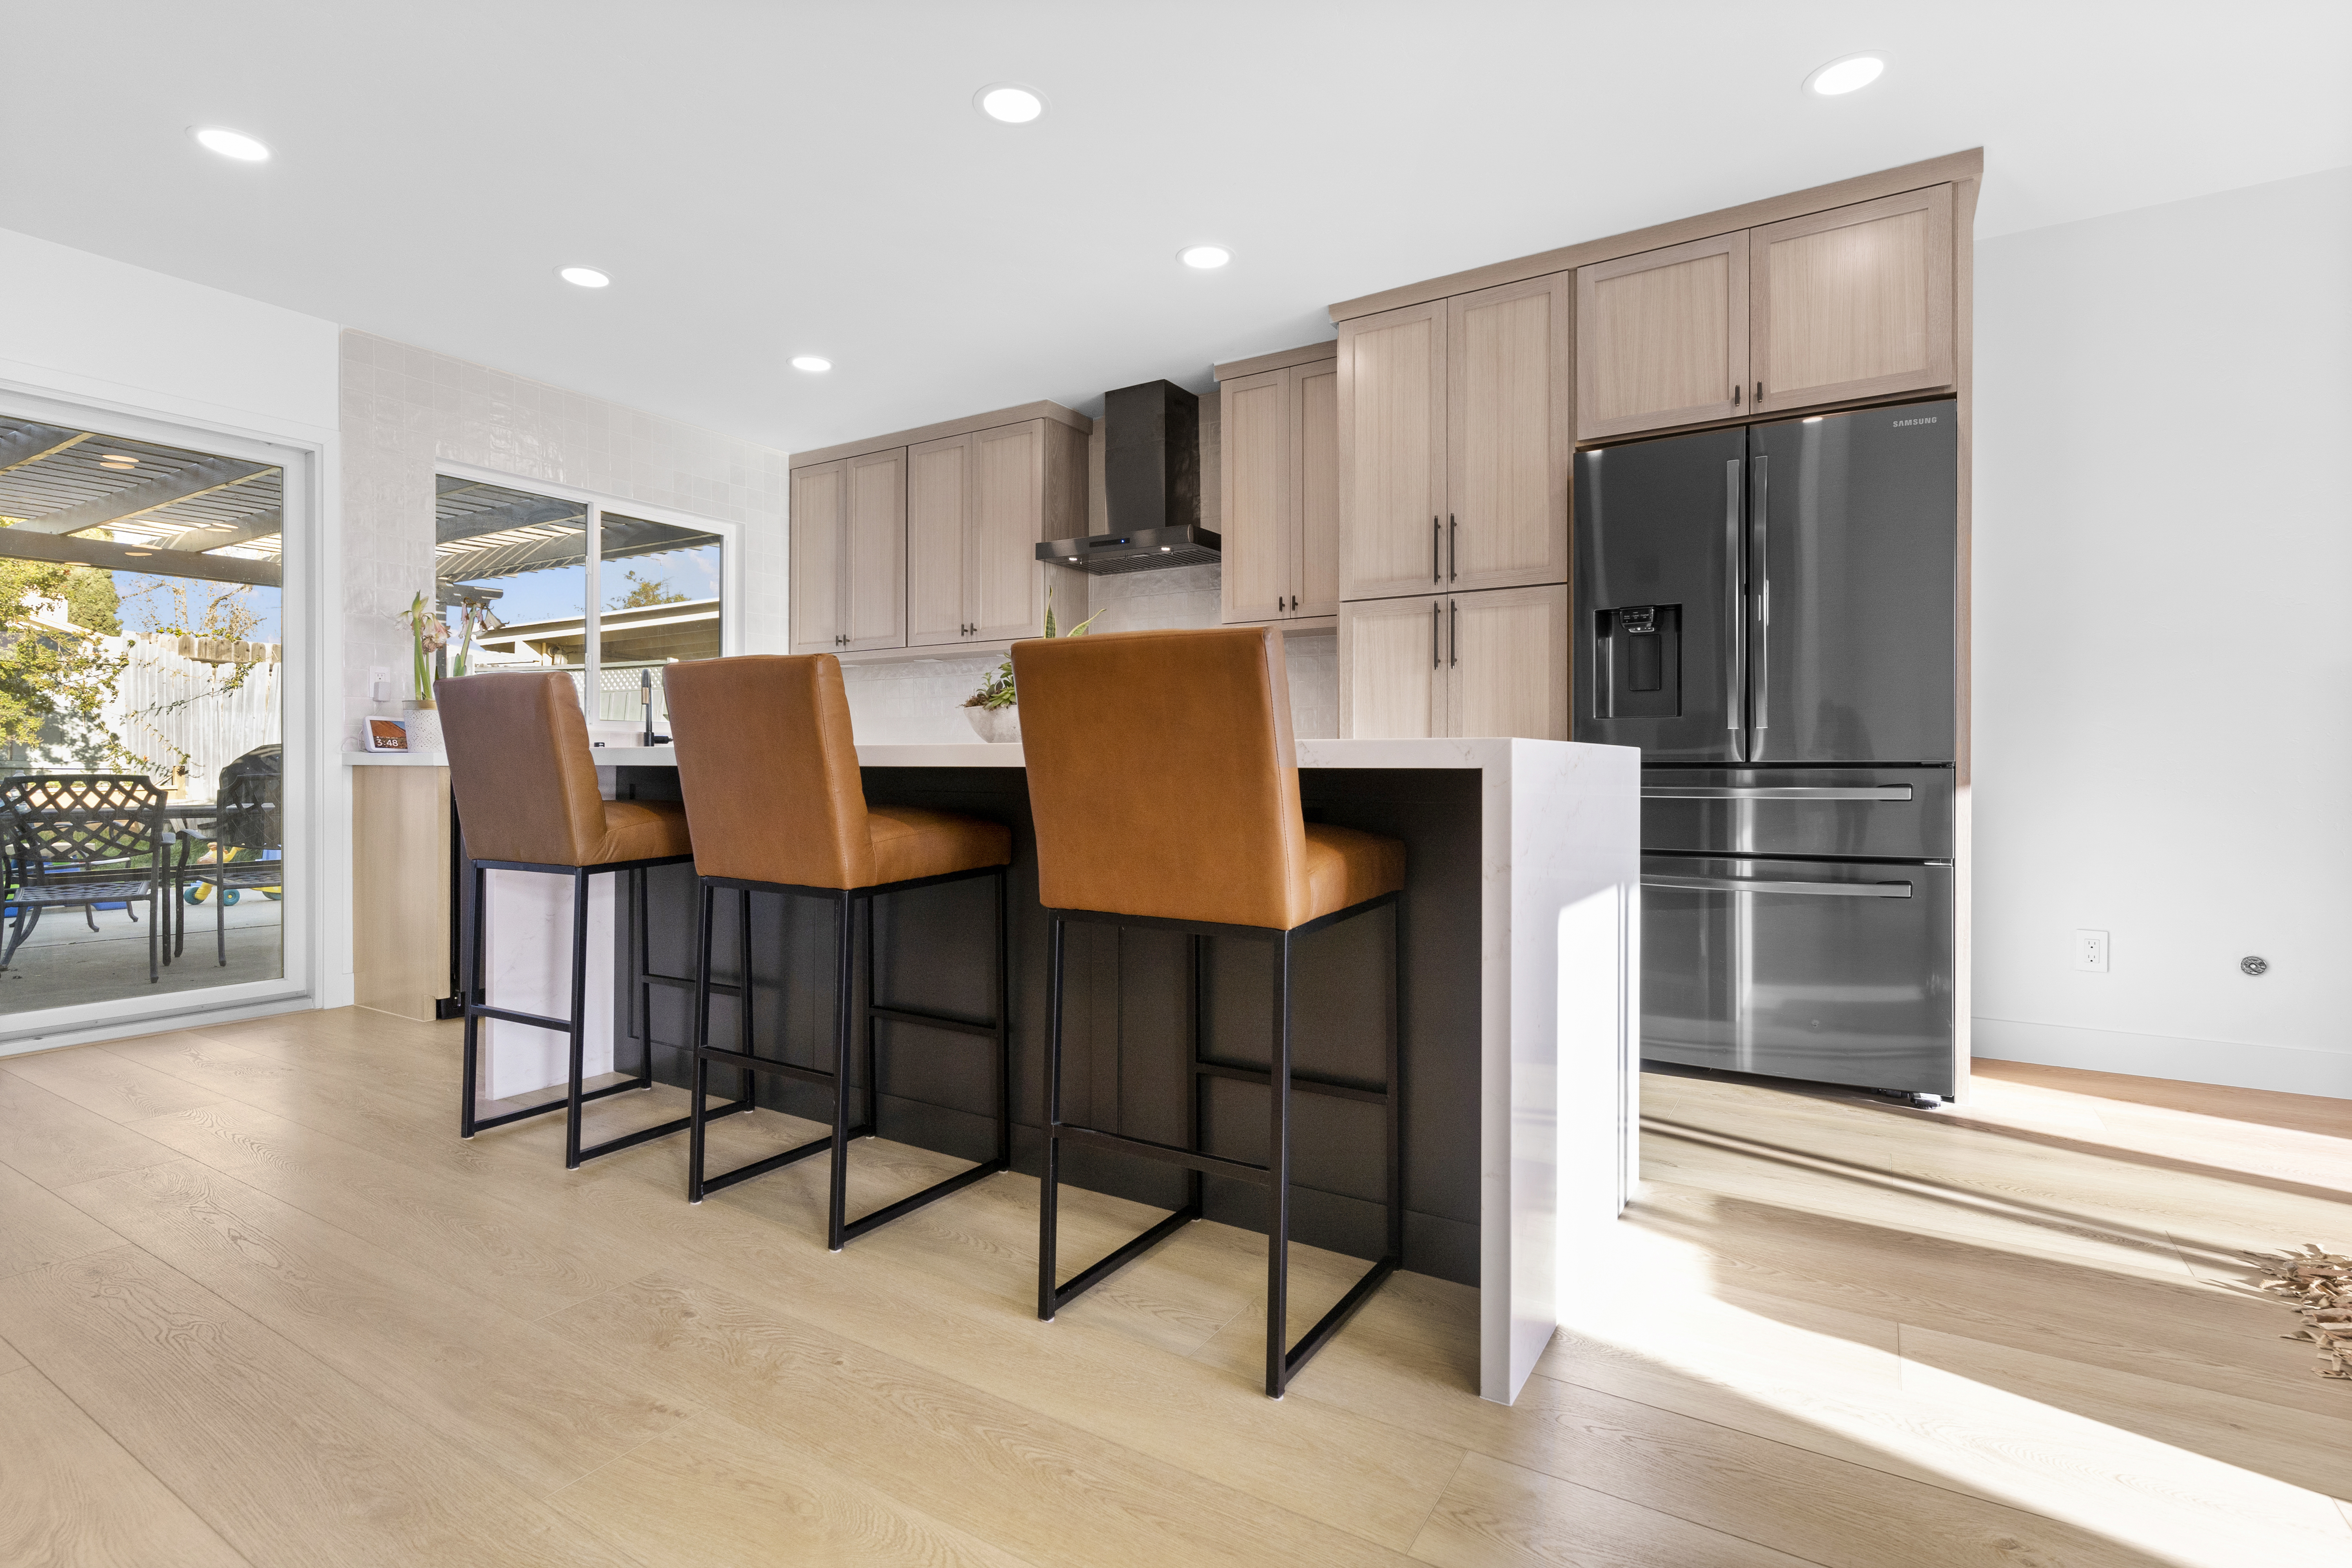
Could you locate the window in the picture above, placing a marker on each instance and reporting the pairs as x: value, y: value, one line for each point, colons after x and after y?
x: 608, y: 596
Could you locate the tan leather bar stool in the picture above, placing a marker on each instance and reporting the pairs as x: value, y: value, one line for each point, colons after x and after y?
x: 769, y: 769
x: 525, y: 779
x: 1110, y: 725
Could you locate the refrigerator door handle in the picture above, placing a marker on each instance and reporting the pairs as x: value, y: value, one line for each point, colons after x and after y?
x: 1735, y: 609
x: 1776, y: 792
x: 1759, y: 885
x: 1763, y: 576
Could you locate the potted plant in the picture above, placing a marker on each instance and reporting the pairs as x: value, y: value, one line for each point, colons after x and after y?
x: 994, y: 709
x: 428, y: 634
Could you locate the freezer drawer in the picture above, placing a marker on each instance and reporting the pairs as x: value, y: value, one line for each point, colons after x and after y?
x: 1806, y: 969
x: 1882, y: 814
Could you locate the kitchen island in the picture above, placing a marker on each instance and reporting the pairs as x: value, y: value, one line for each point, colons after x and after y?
x: 1518, y: 939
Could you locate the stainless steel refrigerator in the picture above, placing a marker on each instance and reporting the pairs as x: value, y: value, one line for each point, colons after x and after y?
x: 1770, y: 613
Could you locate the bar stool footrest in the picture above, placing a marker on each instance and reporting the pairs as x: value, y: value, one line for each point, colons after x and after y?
x: 484, y: 1123
x: 774, y: 1162
x: 1102, y: 1268
x: 1332, y: 1322
x: 659, y: 1129
x: 852, y: 1229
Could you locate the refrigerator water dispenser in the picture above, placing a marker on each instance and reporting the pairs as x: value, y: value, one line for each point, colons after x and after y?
x: 1641, y: 649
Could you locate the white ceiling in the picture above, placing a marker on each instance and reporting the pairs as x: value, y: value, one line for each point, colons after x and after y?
x: 764, y: 180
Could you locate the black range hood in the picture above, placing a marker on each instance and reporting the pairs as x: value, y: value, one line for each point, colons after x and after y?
x: 1151, y: 487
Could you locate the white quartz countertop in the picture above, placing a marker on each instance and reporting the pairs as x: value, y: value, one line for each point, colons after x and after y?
x: 1466, y: 751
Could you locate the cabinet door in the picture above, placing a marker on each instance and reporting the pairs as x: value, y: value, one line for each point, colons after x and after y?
x: 1391, y: 452
x: 1507, y: 663
x: 939, y: 506
x: 1260, y: 497
x: 1507, y: 442
x: 1005, y: 594
x: 873, y: 537
x: 1391, y: 670
x: 1315, y: 448
x: 1661, y: 337
x: 818, y: 501
x: 1854, y: 302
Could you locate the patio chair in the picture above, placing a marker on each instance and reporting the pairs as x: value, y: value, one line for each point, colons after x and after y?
x: 245, y: 818
x: 76, y: 840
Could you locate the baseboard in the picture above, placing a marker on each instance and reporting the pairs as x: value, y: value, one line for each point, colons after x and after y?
x: 2289, y: 1070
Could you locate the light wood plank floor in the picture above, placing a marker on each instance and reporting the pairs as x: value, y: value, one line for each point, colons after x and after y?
x: 259, y: 1304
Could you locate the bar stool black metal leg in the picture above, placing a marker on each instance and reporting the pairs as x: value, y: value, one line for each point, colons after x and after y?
x: 644, y: 988
x: 845, y: 960
x: 1395, y: 1081
x: 1003, y: 1022
x: 872, y: 1121
x: 1277, y: 1166
x: 472, y: 1001
x: 706, y: 896
x: 579, y: 1031
x: 1193, y: 1128
x: 744, y: 985
x: 1045, y: 1191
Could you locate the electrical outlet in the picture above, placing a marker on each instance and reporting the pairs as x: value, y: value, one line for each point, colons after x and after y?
x: 380, y: 683
x: 2090, y: 951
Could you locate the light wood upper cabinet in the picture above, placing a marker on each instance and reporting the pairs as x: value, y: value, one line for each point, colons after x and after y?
x: 1004, y: 593
x: 1661, y: 337
x: 1854, y: 302
x: 1392, y: 437
x: 939, y: 509
x: 1491, y: 663
x: 874, y: 551
x: 1314, y: 408
x: 819, y: 503
x: 849, y: 553
x: 1833, y: 307
x: 977, y: 506
x: 1279, y: 483
x: 1507, y: 440
x: 1259, y: 516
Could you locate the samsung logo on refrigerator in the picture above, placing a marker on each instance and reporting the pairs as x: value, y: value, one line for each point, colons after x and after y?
x: 1899, y: 424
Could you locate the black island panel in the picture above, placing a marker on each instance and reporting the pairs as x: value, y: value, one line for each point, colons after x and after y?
x: 1127, y: 1014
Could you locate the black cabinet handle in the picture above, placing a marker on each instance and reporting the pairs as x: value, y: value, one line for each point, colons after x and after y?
x: 1453, y: 632
x: 1735, y: 398
x: 1759, y: 395
x: 1436, y: 538
x: 1435, y: 617
x: 1452, y: 547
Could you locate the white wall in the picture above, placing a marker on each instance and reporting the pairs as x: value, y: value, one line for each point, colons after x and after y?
x: 81, y: 326
x: 406, y: 410
x: 2164, y: 639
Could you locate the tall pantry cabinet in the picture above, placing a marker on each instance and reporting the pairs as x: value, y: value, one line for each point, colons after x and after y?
x: 1454, y: 440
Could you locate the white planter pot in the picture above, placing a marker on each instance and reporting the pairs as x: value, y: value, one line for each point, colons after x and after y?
x: 424, y: 726
x: 997, y: 725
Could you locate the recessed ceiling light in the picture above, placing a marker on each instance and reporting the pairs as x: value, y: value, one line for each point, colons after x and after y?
x: 810, y: 362
x: 1204, y: 256
x: 1007, y: 101
x: 1845, y: 75
x: 230, y: 143
x: 584, y: 277
x: 118, y: 460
